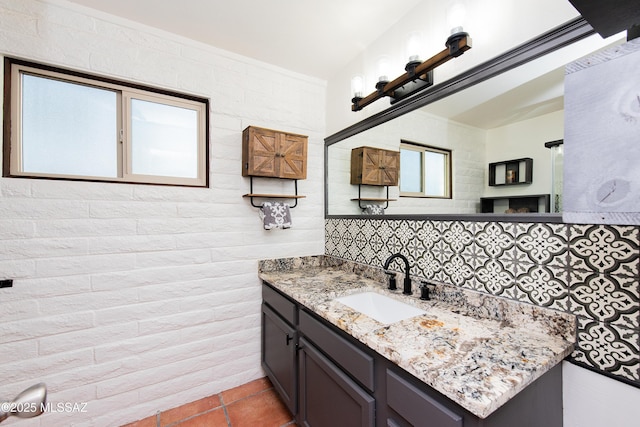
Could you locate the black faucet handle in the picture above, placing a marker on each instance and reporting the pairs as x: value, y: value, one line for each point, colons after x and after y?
x: 424, y: 289
x: 392, y: 280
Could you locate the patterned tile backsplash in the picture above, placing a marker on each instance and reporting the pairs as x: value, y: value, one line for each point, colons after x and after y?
x: 592, y: 271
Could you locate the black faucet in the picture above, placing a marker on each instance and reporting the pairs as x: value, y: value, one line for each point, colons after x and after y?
x: 407, y: 279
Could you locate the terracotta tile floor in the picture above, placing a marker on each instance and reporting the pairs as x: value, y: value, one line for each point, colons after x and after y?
x: 255, y: 404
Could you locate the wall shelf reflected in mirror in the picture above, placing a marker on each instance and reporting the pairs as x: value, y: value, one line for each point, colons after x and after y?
x: 511, y: 172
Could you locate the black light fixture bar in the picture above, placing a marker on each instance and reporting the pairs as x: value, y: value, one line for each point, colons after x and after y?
x: 418, y: 76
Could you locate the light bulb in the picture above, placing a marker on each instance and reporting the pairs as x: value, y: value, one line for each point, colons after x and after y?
x: 414, y: 46
x: 456, y: 15
x: 383, y: 66
x: 357, y: 86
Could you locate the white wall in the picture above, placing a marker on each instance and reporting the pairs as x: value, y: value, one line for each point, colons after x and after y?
x: 593, y: 400
x: 525, y: 139
x: 138, y: 298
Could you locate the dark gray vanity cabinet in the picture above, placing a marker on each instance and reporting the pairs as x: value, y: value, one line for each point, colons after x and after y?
x: 279, y: 342
x: 328, y: 396
x: 334, y: 374
x: 327, y: 379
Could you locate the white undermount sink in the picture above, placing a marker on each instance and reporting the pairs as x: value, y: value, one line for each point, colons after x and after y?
x: 379, y: 307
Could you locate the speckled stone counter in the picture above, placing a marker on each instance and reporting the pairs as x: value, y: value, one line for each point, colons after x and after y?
x: 476, y: 349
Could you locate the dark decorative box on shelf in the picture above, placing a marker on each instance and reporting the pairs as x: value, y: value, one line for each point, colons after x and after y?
x: 511, y: 172
x: 516, y: 204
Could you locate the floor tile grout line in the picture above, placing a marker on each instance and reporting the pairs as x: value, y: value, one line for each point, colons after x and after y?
x: 222, y: 406
x: 226, y: 413
x: 177, y: 423
x: 245, y: 397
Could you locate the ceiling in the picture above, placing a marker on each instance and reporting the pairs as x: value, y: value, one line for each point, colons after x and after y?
x: 315, y: 38
x: 319, y: 38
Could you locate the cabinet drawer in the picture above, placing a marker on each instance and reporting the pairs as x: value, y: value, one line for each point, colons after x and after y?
x: 279, y: 303
x: 353, y: 360
x: 417, y: 407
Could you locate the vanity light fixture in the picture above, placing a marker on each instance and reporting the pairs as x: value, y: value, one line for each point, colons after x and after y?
x: 418, y: 75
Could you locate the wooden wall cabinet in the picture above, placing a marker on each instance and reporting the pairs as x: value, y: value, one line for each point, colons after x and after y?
x: 274, y: 154
x: 374, y: 166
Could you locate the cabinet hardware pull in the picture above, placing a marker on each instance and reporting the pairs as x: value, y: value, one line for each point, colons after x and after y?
x: 289, y: 339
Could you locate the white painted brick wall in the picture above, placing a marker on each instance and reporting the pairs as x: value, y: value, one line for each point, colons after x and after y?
x: 139, y: 298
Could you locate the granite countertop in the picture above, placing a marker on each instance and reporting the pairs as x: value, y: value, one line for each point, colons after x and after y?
x: 478, y: 350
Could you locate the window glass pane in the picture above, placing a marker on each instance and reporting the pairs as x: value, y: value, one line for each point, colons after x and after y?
x: 68, y: 128
x: 435, y: 172
x: 164, y: 140
x: 410, y: 171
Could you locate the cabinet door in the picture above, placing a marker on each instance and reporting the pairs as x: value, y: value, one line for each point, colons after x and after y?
x: 389, y: 167
x: 279, y: 356
x: 371, y: 159
x: 292, y: 152
x: 328, y: 397
x: 259, y: 152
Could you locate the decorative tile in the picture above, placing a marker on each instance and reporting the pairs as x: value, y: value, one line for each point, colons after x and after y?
x: 608, y: 348
x: 428, y: 235
x: 493, y: 239
x: 545, y: 286
x: 473, y: 284
x: 442, y: 226
x: 543, y: 243
x: 588, y: 270
x: 607, y: 298
x: 515, y: 293
x: 353, y: 227
x: 605, y: 249
x: 457, y: 270
x: 457, y: 237
x: 427, y: 265
x: 442, y: 251
x: 515, y: 261
x: 404, y: 232
x: 394, y: 245
x: 494, y: 278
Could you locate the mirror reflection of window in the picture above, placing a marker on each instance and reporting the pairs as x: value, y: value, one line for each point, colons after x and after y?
x: 424, y: 171
x: 410, y: 171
